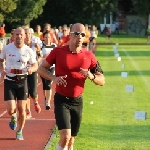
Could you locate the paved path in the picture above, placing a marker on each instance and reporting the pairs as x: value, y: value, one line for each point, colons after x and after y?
x: 37, y: 130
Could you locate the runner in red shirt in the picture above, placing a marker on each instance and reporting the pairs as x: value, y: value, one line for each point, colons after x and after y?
x: 47, y: 27
x: 73, y: 65
x: 2, y: 30
x: 64, y: 40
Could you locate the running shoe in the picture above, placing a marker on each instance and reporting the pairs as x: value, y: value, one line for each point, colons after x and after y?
x: 19, y: 135
x: 48, y: 107
x: 28, y: 115
x: 13, y: 122
x: 37, y: 108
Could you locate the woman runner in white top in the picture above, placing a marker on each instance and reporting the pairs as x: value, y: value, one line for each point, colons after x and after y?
x: 48, y: 86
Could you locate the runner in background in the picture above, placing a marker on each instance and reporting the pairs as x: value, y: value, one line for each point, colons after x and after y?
x: 86, y: 41
x: 93, y: 46
x: 47, y: 27
x: 11, y: 39
x: 108, y: 34
x: 48, y: 85
x: 2, y: 33
x: 38, y: 32
x: 60, y: 34
x: 32, y: 78
x: 36, y: 44
x: 64, y: 40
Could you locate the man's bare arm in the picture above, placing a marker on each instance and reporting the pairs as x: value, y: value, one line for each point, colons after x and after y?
x: 98, y: 78
x: 43, y: 70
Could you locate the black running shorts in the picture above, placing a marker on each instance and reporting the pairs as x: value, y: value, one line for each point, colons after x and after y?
x: 68, y: 112
x: 32, y: 84
x: 15, y: 90
x: 47, y: 83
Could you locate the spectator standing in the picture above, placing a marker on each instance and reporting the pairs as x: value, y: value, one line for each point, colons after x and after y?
x: 148, y: 35
x: 117, y: 27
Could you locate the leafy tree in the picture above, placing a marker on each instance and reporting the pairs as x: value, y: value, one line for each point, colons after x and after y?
x: 21, y: 10
x: 6, y: 7
x: 142, y: 7
x: 61, y: 12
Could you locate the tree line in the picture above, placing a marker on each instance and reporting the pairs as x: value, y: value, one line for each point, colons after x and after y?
x: 59, y: 12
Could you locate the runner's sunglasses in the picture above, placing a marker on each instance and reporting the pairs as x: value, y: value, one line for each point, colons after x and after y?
x: 78, y: 34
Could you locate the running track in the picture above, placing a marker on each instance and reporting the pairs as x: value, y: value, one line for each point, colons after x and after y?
x: 37, y: 130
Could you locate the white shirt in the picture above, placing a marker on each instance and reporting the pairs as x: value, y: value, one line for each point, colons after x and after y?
x: 37, y: 40
x: 17, y: 58
x: 60, y: 34
x: 93, y: 33
x: 47, y: 50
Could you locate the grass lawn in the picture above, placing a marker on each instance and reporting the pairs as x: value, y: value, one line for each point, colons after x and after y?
x: 109, y: 123
x: 121, y: 39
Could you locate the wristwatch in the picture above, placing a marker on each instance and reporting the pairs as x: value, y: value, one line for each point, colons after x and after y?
x: 94, y: 76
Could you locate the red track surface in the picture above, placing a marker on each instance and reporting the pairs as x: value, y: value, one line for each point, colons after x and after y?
x: 36, y: 132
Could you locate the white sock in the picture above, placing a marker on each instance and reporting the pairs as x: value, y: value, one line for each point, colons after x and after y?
x: 61, y: 148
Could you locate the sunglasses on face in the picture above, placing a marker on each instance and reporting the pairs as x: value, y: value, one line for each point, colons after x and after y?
x: 78, y: 34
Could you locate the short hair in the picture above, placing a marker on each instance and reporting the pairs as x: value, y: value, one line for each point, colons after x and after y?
x: 47, y: 24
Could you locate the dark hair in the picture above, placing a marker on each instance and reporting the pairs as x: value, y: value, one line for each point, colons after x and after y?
x: 46, y: 32
x: 1, y: 24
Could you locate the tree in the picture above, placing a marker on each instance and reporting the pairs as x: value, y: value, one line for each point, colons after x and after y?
x: 6, y: 7
x: 21, y: 10
x: 142, y: 7
x: 61, y: 12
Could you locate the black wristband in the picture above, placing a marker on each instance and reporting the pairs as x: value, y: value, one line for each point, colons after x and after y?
x: 94, y: 76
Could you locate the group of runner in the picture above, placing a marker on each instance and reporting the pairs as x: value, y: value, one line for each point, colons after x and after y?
x: 19, y: 60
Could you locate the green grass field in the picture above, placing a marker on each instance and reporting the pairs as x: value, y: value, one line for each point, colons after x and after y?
x: 109, y: 123
x: 122, y: 38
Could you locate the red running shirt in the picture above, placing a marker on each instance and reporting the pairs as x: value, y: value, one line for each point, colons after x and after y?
x: 68, y: 63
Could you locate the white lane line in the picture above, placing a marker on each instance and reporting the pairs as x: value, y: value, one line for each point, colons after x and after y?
x: 2, y: 114
x: 137, y: 69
